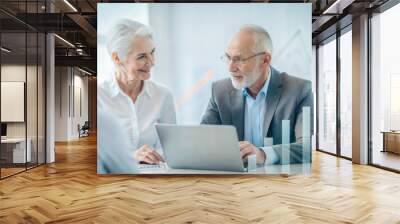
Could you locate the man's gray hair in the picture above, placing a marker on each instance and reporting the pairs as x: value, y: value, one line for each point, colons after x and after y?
x: 262, y: 39
x: 121, y: 35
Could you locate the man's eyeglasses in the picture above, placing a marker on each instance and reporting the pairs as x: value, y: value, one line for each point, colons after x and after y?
x: 237, y: 60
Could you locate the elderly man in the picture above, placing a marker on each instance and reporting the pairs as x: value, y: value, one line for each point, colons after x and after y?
x: 257, y: 97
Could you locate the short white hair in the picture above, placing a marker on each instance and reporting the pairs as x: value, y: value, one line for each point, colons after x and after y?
x: 121, y: 35
x: 262, y: 39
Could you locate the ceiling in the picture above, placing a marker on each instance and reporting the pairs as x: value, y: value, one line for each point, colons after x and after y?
x: 76, y: 22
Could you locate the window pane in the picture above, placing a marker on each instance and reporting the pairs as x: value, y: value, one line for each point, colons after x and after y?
x: 346, y: 94
x: 386, y: 89
x: 327, y: 97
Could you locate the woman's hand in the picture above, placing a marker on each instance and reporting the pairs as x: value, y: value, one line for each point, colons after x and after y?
x: 148, y: 155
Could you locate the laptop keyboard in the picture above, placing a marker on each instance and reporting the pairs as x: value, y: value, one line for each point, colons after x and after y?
x: 161, y: 165
x: 149, y: 166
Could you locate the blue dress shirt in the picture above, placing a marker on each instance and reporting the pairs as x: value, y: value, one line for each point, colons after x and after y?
x: 254, y: 120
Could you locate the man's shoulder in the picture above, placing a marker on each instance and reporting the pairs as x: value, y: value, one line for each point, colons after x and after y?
x: 223, y: 82
x: 223, y: 85
x: 294, y: 82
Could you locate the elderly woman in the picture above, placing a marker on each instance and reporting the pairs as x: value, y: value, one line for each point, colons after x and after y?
x: 136, y: 102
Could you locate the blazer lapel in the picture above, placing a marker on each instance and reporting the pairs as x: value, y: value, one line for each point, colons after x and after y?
x: 272, y: 99
x: 237, y: 110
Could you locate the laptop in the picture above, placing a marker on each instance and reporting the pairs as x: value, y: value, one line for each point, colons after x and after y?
x: 200, y: 147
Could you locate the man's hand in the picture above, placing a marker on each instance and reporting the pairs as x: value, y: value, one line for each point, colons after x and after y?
x: 246, y: 148
x: 148, y: 155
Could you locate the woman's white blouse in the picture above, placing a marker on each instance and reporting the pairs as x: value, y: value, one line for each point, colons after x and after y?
x: 154, y: 104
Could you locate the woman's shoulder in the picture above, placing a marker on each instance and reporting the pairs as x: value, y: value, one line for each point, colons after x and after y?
x: 106, y: 89
x: 104, y: 84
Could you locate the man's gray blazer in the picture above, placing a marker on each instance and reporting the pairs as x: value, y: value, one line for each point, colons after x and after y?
x: 286, y: 97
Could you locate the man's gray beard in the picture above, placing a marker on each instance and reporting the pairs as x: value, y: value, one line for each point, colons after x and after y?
x: 237, y: 85
x: 246, y: 82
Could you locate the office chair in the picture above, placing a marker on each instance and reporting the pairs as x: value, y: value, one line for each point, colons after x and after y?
x: 84, y: 130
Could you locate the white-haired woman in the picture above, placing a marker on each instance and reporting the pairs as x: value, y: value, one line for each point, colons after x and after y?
x: 135, y: 101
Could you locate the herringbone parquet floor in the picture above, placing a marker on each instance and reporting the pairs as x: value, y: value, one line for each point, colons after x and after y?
x: 70, y: 191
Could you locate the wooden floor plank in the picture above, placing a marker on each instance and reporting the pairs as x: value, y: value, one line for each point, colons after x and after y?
x: 70, y: 191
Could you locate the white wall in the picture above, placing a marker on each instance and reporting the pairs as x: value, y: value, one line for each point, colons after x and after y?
x: 190, y: 38
x: 79, y: 117
x: 109, y: 14
x: 12, y: 73
x: 192, y: 43
x: 12, y: 100
x: 61, y: 103
x: 67, y: 115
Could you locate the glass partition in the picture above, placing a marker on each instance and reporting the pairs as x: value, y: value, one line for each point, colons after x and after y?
x: 23, y: 91
x: 15, y: 150
x: 32, y: 95
x: 41, y: 107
